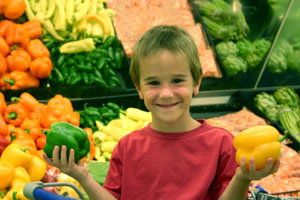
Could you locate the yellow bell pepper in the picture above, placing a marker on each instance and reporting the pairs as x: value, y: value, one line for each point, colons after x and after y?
x: 15, y: 193
x: 16, y: 155
x: 258, y: 142
x: 36, y: 168
x: 6, y: 174
x: 21, y: 177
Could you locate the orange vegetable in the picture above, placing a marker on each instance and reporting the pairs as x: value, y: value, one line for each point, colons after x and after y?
x: 25, y: 142
x: 37, y: 111
x: 4, y: 48
x: 51, y: 115
x: 16, y: 80
x: 74, y: 118
x: 14, y: 9
x: 92, y: 152
x: 33, y: 127
x: 3, y: 127
x: 15, y: 114
x: 61, y: 102
x: 2, y: 103
x: 41, y: 67
x: 3, y: 4
x: 41, y: 141
x: 37, y: 49
x: 16, y: 36
x: 3, y: 65
x: 32, y: 81
x: 28, y: 101
x: 33, y: 28
x: 4, y: 24
x: 18, y: 60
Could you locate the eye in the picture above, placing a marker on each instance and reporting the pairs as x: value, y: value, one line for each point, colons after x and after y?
x: 153, y: 83
x: 177, y: 81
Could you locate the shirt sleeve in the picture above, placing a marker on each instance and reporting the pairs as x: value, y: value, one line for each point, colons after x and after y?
x: 226, y: 170
x: 113, y: 180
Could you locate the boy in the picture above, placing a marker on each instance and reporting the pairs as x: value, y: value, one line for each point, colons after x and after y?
x: 174, y: 157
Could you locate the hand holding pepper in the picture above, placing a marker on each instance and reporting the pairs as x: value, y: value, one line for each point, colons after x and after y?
x: 67, y: 166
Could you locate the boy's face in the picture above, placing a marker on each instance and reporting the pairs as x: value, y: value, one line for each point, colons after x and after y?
x: 166, y: 85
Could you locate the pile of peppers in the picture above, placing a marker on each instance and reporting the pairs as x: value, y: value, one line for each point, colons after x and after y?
x: 98, y: 67
x: 24, y: 59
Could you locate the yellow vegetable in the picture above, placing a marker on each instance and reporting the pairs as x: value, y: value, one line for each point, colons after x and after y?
x: 16, y: 155
x: 36, y: 168
x: 84, y: 45
x: 6, y: 174
x: 258, y: 142
x: 137, y: 114
x: 108, y: 146
x: 107, y: 155
x: 115, y: 132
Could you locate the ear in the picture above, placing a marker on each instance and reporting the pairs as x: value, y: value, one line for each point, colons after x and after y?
x: 139, y: 91
x: 196, y: 89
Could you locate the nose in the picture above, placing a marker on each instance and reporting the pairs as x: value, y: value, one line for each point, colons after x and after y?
x: 166, y: 91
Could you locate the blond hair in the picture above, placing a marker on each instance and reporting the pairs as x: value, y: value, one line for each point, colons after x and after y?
x: 165, y: 37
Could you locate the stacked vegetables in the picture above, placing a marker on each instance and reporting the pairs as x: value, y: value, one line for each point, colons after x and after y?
x: 243, y: 55
x: 285, y: 56
x: 96, y: 67
x: 107, y: 137
x: 222, y: 21
x: 283, y: 106
x: 69, y: 19
x: 24, y: 59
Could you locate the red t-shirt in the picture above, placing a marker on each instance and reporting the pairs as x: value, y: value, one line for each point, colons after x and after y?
x: 147, y: 164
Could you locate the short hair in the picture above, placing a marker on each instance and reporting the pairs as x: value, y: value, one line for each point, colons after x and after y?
x: 165, y: 37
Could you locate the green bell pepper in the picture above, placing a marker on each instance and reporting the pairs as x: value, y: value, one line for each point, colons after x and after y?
x: 73, y: 137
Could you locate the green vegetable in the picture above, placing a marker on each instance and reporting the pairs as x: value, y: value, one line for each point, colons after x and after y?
x: 290, y: 121
x: 262, y: 46
x: 84, y: 45
x: 227, y: 48
x: 234, y: 65
x: 73, y: 137
x: 245, y: 47
x: 294, y: 60
x: 286, y: 95
x: 284, y: 47
x: 277, y: 62
x: 98, y: 170
x: 252, y: 60
x: 267, y: 104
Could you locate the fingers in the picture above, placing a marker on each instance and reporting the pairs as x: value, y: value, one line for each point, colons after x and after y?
x: 243, y: 166
x: 63, y: 157
x: 55, y: 156
x: 252, y: 167
x: 47, y: 159
x: 276, y: 166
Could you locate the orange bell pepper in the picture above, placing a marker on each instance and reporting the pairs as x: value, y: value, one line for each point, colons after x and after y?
x: 51, y: 115
x: 3, y: 104
x: 33, y: 28
x: 18, y: 60
x: 32, y: 81
x: 14, y: 9
x: 26, y: 142
x: 33, y: 127
x: 4, y: 24
x: 3, y: 81
x: 17, y: 80
x: 15, y: 114
x: 4, y: 48
x: 27, y: 101
x: 3, y: 64
x: 3, y: 4
x: 3, y: 127
x: 74, y: 118
x: 37, y: 111
x: 62, y: 102
x: 41, y: 67
x: 41, y: 141
x: 37, y: 49
x: 16, y: 36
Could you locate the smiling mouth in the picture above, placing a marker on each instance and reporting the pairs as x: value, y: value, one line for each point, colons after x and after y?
x: 167, y: 105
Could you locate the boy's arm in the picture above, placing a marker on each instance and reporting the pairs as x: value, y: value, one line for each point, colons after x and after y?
x: 94, y: 190
x: 238, y: 186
